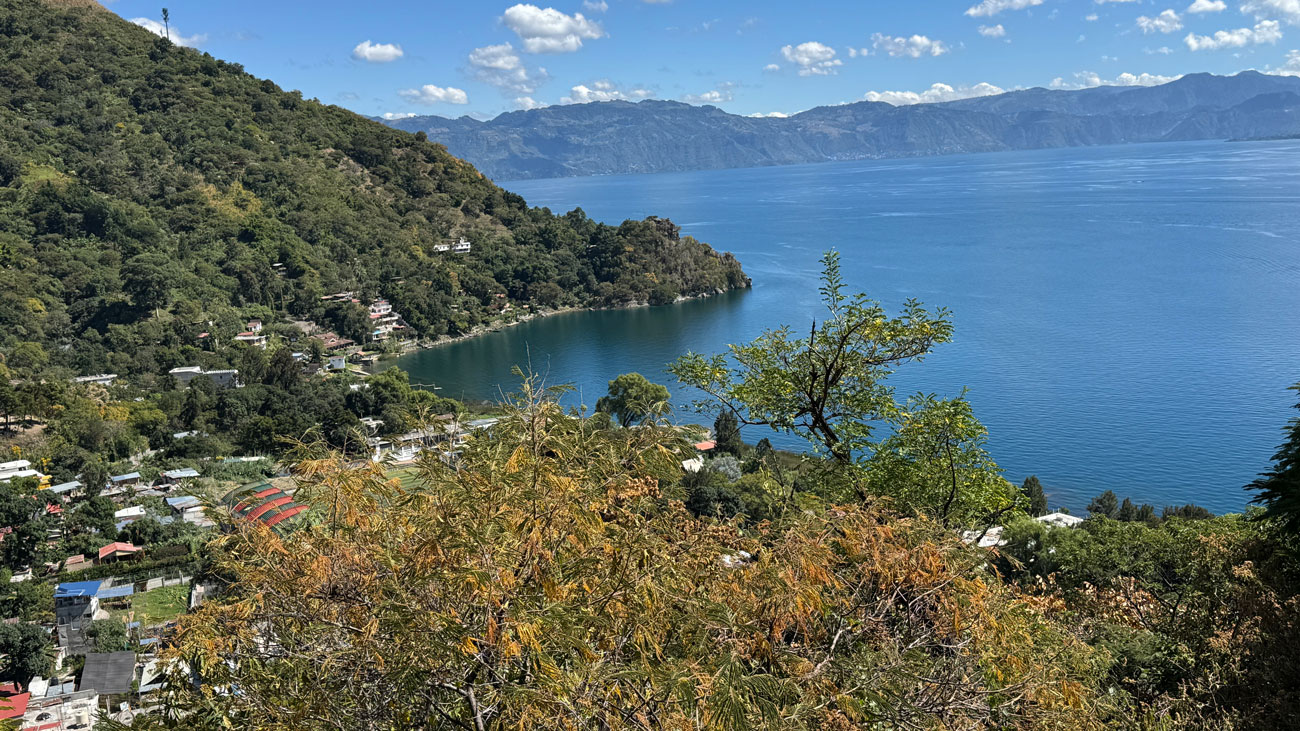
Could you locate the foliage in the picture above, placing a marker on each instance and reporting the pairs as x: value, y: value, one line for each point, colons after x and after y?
x: 1035, y: 498
x: 1279, y: 488
x: 829, y: 387
x: 548, y: 583
x: 159, y: 186
x: 726, y: 433
x: 26, y: 653
x: 632, y: 398
x: 107, y: 635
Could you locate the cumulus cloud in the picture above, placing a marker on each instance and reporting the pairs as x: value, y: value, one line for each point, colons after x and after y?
x: 548, y: 30
x: 722, y: 93
x: 599, y: 6
x: 769, y: 115
x: 1089, y: 80
x: 1207, y: 6
x: 603, y: 90
x: 1166, y: 22
x: 430, y: 94
x: 1091, y: 18
x: 159, y: 28
x: 1265, y: 31
x: 989, y: 8
x: 501, y: 67
x: 1287, y: 10
x: 399, y: 115
x: 527, y: 102
x: 1163, y: 51
x: 936, y: 93
x: 913, y: 47
x: 771, y: 67
x: 1291, y: 67
x: 992, y: 31
x: 812, y: 58
x: 377, y: 52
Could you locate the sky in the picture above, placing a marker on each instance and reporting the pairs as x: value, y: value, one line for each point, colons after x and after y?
x: 758, y: 57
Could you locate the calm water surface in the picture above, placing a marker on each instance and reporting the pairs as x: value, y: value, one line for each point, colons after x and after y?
x: 1127, y: 318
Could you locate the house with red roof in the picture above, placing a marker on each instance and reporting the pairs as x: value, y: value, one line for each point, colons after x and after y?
x: 117, y: 551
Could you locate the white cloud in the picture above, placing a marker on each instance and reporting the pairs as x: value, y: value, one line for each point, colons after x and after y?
x: 709, y: 97
x: 812, y: 58
x: 160, y: 29
x: 527, y: 102
x: 430, y: 94
x: 769, y: 115
x: 1265, y: 31
x: 1163, y: 51
x: 936, y: 93
x: 1291, y: 67
x: 1089, y: 80
x: 1207, y: 6
x: 599, y: 6
x: 501, y: 67
x: 1104, y: 2
x: 603, y: 90
x: 399, y: 115
x: 992, y: 31
x: 771, y: 67
x: 989, y: 8
x: 1288, y: 10
x: 377, y: 52
x: 914, y: 47
x: 1092, y: 18
x: 548, y: 30
x: 1166, y: 22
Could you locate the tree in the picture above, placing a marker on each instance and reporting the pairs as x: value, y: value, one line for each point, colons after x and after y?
x: 935, y: 463
x: 167, y: 23
x: 726, y: 432
x: 1128, y: 512
x: 632, y: 398
x: 150, y: 278
x: 1037, y: 499
x: 26, y: 652
x: 546, y: 582
x: 1279, y: 488
x: 829, y: 387
x: 108, y: 635
x: 1105, y: 504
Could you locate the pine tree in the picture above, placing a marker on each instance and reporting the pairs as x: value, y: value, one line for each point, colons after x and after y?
x: 1105, y: 504
x: 1128, y: 512
x: 1279, y: 488
x: 726, y: 432
x: 1033, y: 490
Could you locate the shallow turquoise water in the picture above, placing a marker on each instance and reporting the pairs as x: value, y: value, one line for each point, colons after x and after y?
x: 1127, y: 318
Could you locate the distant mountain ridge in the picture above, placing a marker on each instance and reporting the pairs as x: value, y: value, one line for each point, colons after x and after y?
x: 603, y: 138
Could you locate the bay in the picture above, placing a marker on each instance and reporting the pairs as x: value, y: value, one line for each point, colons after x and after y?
x: 1127, y: 318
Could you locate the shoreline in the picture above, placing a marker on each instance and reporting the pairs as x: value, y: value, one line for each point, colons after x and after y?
x: 481, y: 330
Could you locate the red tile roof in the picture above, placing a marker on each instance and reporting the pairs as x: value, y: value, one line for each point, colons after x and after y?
x: 13, y: 705
x: 115, y: 547
x: 705, y: 446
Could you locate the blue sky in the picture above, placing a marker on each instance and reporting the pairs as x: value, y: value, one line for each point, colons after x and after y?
x: 757, y: 57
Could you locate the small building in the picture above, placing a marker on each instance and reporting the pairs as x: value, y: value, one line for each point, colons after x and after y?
x: 176, y: 477
x: 13, y: 705
x: 228, y: 378
x: 21, y: 468
x: 253, y: 339
x: 129, y: 515
x: 117, y: 551
x: 255, y: 326
x: 706, y: 446
x: 338, y: 363
x: 75, y: 604
x: 108, y: 673
x: 461, y: 247
x: 67, y: 490
x: 130, y: 479
x: 103, y: 379
x: 1060, y: 520
x: 189, y: 509
x: 60, y: 707
x: 332, y: 341
x: 78, y: 562
x: 441, y: 248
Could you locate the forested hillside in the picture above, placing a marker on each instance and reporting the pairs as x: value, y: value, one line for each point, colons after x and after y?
x: 147, y: 192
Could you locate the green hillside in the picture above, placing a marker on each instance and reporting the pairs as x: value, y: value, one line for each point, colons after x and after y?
x: 147, y: 190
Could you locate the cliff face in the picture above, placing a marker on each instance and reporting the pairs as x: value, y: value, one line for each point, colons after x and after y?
x: 659, y: 136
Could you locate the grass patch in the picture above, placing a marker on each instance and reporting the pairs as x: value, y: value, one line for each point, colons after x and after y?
x: 160, y: 605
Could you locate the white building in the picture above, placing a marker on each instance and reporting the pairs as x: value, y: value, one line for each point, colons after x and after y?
x: 461, y: 247
x: 221, y: 379
x: 103, y: 379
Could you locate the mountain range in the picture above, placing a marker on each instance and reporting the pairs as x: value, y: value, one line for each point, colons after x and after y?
x: 602, y: 138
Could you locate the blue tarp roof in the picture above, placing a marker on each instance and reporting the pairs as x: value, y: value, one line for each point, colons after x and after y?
x: 77, y: 588
x: 116, y: 592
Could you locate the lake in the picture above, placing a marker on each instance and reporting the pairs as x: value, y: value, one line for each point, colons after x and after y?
x: 1127, y: 318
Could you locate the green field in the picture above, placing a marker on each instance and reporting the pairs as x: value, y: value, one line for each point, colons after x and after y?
x: 160, y: 605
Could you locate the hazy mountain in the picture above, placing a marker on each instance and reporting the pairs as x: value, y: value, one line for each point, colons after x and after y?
x: 658, y: 136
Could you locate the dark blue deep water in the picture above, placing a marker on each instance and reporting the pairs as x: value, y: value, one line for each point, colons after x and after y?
x: 1127, y: 318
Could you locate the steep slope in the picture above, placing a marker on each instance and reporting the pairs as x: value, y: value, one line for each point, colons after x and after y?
x: 657, y: 136
x: 148, y: 192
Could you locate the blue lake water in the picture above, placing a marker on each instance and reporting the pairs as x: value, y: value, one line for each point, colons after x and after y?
x: 1127, y: 318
